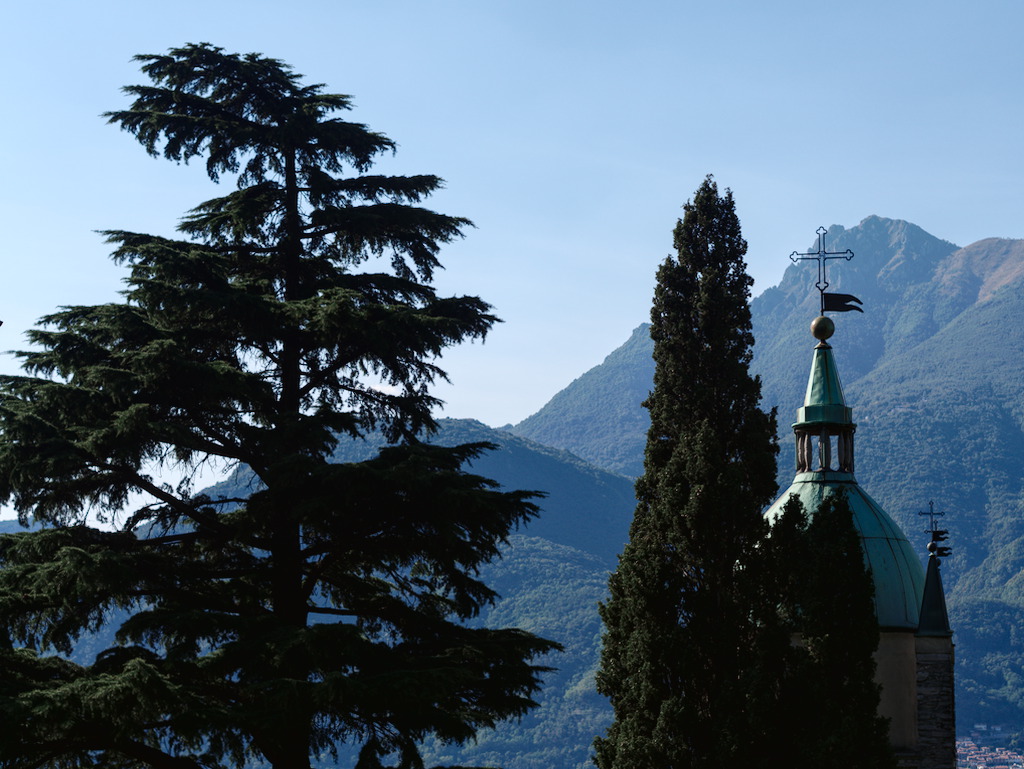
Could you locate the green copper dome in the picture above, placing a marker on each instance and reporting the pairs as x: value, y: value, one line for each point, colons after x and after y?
x: 895, y: 568
x: 825, y: 419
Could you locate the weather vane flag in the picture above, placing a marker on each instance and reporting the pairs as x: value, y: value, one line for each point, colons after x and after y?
x: 829, y: 302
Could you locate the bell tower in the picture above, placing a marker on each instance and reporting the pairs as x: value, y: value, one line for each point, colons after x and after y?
x: 914, y: 660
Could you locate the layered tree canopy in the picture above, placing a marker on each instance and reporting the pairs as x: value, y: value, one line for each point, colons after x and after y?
x: 327, y: 607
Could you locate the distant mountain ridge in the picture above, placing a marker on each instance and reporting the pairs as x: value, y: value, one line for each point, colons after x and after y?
x: 592, y: 419
x: 583, y: 507
x: 892, y: 272
x: 599, y: 417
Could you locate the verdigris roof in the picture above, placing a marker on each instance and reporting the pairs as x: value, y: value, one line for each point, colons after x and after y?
x: 895, y: 568
x: 824, y: 401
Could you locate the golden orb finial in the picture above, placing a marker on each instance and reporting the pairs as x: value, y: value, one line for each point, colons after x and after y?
x: 822, y: 328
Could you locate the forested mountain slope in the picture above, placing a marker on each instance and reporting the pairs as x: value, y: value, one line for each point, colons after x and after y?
x: 584, y: 507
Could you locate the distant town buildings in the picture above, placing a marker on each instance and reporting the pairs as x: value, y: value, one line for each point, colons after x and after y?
x: 971, y: 755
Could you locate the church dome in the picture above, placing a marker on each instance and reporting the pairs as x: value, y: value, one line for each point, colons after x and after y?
x: 825, y: 419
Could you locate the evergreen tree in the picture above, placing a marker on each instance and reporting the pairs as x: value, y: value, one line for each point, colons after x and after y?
x: 679, y: 624
x: 328, y: 606
x: 825, y: 712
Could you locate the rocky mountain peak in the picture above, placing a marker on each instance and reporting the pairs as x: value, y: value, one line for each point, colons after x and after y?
x: 977, y: 271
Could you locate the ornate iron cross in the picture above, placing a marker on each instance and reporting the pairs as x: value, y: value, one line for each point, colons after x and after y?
x: 821, y: 256
x: 932, y: 515
x: 938, y: 535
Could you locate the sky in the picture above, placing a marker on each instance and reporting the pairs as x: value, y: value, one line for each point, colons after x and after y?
x: 570, y: 133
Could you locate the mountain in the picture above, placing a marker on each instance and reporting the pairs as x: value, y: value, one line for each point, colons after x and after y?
x: 550, y: 579
x: 592, y: 419
x: 892, y: 272
x: 599, y: 416
x: 584, y: 507
x: 934, y: 370
x: 551, y: 590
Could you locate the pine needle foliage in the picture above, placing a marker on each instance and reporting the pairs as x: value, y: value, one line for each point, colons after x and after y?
x: 678, y: 622
x: 326, y: 609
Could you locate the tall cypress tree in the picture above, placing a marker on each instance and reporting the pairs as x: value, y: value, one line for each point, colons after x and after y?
x: 679, y: 624
x: 327, y: 606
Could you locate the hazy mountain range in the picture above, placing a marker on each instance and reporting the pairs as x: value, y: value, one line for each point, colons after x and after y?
x: 934, y: 371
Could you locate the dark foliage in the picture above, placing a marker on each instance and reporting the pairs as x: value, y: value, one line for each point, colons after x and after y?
x: 678, y: 620
x: 818, y: 697
x: 328, y: 605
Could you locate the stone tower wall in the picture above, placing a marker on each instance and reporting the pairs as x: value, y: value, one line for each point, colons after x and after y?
x: 935, y: 703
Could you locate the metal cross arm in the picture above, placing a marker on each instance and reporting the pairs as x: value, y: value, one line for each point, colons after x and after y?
x: 937, y: 535
x: 932, y: 515
x: 821, y: 256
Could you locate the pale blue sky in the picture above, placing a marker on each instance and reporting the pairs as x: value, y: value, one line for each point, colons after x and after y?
x: 570, y: 132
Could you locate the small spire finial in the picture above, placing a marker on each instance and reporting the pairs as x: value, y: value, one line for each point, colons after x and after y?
x: 829, y: 302
x: 822, y: 328
x: 937, y: 535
